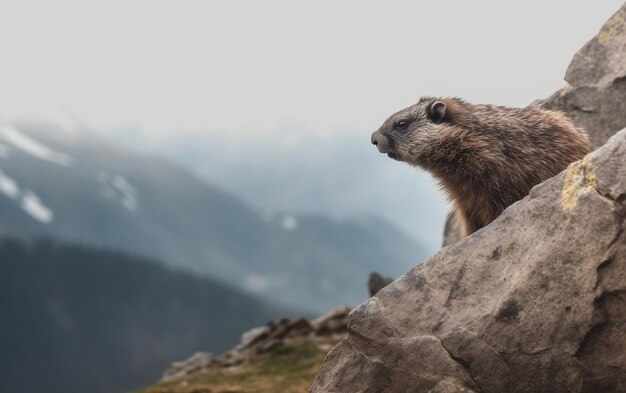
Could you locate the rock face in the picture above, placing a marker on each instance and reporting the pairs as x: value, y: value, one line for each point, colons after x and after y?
x: 324, y: 332
x: 596, y: 92
x: 534, y: 302
x: 595, y: 96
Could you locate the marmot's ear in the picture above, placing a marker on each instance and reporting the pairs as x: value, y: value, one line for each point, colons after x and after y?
x: 437, y: 112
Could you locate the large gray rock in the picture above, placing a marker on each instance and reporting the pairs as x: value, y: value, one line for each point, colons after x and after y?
x: 595, y: 96
x: 534, y: 302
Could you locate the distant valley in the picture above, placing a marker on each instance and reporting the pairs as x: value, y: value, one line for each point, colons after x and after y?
x: 80, y: 188
x: 79, y: 319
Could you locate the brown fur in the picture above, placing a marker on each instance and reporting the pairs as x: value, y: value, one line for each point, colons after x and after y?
x: 485, y: 157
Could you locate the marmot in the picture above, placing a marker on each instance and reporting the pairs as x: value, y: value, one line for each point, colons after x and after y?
x: 485, y: 157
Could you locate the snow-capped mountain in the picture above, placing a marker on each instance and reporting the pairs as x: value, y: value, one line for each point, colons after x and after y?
x: 80, y: 188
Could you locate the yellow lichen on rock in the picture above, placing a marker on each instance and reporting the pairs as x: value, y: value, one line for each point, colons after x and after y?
x: 610, y: 29
x: 580, y: 177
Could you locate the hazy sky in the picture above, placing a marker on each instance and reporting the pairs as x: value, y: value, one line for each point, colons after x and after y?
x: 253, y: 66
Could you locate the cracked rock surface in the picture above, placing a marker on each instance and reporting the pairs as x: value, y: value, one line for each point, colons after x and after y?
x: 534, y: 302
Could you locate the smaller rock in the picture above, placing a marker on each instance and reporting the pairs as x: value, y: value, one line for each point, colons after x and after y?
x: 290, y: 328
x: 325, y: 332
x: 269, y: 345
x: 334, y: 321
x: 253, y: 335
x: 377, y: 282
x: 197, y: 362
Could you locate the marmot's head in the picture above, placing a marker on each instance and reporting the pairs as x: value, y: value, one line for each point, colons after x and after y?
x: 408, y: 135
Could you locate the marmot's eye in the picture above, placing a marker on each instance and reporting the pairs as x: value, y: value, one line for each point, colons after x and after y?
x: 401, y: 124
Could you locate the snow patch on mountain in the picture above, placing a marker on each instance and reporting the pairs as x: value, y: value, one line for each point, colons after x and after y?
x: 19, y: 140
x: 27, y: 199
x: 8, y: 186
x: 257, y: 282
x: 289, y: 223
x: 118, y: 189
x: 33, y: 206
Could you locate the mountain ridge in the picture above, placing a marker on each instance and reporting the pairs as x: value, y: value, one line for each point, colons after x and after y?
x: 105, y: 196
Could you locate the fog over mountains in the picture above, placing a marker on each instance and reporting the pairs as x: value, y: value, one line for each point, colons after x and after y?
x: 79, y: 188
x: 336, y: 173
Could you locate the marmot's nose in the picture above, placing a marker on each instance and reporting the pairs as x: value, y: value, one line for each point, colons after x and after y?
x: 380, y: 141
x: 375, y: 137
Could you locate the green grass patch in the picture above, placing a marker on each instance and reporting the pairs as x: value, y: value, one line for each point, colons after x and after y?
x: 288, y: 369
